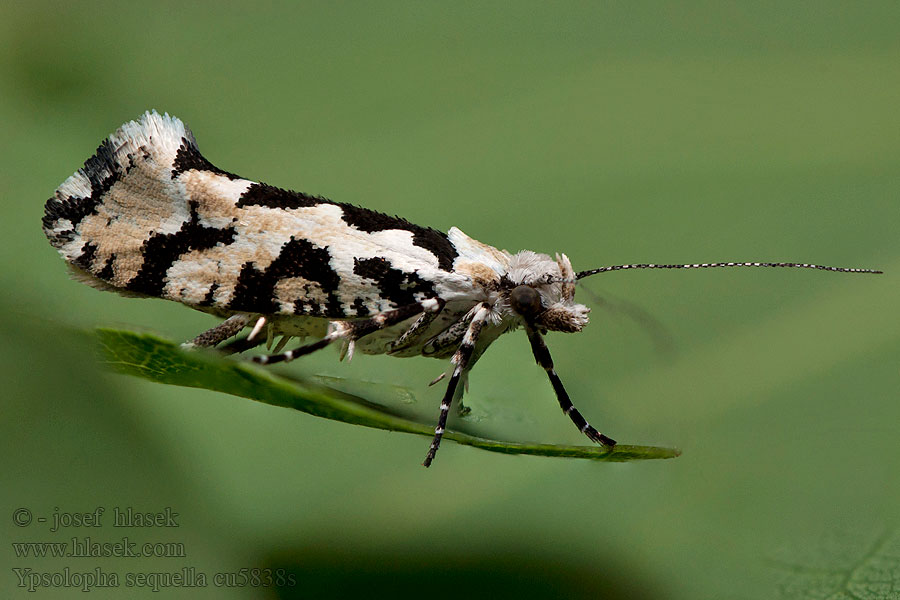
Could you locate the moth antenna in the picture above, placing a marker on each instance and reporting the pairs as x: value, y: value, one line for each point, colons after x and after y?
x: 582, y: 274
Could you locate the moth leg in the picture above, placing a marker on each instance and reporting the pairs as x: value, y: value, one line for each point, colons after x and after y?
x: 542, y: 356
x: 417, y: 329
x: 461, y: 360
x: 221, y: 332
x: 443, y: 343
x: 241, y: 344
x: 461, y: 409
x: 353, y: 330
x: 245, y: 343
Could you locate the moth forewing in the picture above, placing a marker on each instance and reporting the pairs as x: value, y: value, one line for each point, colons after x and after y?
x: 149, y: 215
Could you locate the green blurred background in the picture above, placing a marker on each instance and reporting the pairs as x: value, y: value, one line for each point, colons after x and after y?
x: 615, y: 132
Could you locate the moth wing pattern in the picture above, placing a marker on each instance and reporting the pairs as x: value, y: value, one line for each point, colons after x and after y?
x: 148, y: 215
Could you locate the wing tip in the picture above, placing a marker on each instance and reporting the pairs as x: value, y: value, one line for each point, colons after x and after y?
x: 152, y: 136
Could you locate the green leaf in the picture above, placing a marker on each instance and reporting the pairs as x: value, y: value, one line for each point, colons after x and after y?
x: 860, y: 564
x: 150, y: 357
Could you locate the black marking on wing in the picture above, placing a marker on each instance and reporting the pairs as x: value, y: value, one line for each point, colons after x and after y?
x: 255, y: 288
x: 436, y: 242
x: 106, y: 273
x: 102, y: 171
x: 394, y: 285
x: 430, y: 239
x: 189, y: 158
x: 359, y: 305
x: 261, y: 194
x: 161, y: 251
x: 208, y: 298
x: 311, y: 308
x: 88, y: 251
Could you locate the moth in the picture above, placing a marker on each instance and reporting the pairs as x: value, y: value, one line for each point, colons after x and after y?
x: 149, y: 216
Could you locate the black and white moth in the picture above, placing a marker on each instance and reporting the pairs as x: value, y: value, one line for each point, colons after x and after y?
x: 149, y: 216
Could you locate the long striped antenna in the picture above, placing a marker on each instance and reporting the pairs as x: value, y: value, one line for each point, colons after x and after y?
x: 582, y: 274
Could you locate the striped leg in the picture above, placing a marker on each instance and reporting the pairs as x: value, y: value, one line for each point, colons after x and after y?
x: 461, y: 359
x: 542, y: 356
x: 241, y: 344
x: 416, y: 330
x: 353, y: 330
x: 444, y: 343
x: 221, y: 332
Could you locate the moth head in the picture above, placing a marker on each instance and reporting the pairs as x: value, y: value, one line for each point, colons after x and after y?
x: 541, y: 291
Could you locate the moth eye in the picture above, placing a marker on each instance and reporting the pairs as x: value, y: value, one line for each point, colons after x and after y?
x: 525, y: 300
